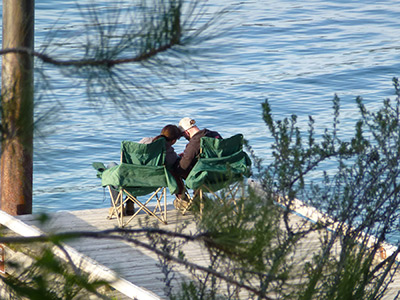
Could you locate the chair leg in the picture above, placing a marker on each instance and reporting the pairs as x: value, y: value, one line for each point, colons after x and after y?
x: 143, y: 206
x: 115, y: 202
x: 230, y: 194
x: 196, y: 193
x: 118, y: 202
x: 118, y: 208
x: 159, y: 206
x: 189, y: 205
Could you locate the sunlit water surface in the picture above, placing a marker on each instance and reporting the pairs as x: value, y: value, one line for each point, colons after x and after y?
x: 296, y: 54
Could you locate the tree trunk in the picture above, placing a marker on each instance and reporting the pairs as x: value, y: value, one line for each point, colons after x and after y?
x: 17, y: 108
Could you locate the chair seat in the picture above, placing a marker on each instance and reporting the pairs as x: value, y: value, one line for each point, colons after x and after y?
x: 217, y: 173
x: 138, y: 179
x: 222, y: 163
x: 142, y: 172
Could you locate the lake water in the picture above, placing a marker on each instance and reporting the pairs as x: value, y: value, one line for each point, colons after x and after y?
x: 298, y: 54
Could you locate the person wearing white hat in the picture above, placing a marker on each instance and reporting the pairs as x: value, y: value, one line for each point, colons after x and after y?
x: 193, y: 134
x: 188, y: 159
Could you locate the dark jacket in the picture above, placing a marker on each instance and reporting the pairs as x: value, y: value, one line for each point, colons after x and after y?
x: 192, y: 150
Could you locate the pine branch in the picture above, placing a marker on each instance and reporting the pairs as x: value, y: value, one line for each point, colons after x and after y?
x: 112, y: 235
x: 90, y: 62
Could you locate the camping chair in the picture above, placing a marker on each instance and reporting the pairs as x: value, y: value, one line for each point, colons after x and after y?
x: 142, y: 172
x: 222, y: 163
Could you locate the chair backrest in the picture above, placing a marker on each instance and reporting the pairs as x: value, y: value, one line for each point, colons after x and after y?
x: 212, y: 147
x: 221, y: 163
x: 152, y: 154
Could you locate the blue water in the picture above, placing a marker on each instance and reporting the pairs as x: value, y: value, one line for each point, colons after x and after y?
x: 296, y: 54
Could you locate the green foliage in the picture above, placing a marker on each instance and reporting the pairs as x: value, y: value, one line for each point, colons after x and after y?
x: 247, y: 250
x: 48, y: 277
x: 362, y: 196
x: 253, y: 244
x: 117, y: 55
x: 257, y: 247
x: 257, y: 244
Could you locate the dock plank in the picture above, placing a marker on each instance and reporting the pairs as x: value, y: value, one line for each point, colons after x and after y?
x: 138, y: 266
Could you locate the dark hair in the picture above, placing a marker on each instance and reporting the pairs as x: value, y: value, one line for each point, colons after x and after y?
x: 170, y: 133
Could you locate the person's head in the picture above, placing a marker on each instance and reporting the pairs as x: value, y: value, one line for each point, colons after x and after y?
x: 188, y: 127
x: 171, y: 133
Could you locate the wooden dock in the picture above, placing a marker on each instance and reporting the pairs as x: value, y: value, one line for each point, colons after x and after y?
x: 132, y: 269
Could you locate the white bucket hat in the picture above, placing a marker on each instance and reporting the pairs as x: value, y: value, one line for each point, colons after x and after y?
x: 186, y: 123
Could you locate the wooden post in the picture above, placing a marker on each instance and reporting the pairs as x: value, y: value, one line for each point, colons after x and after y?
x: 17, y: 108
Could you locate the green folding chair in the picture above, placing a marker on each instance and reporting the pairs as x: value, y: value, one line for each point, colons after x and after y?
x: 142, y: 172
x: 222, y: 164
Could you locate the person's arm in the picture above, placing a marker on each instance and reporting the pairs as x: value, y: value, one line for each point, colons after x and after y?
x: 146, y: 140
x: 188, y: 156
